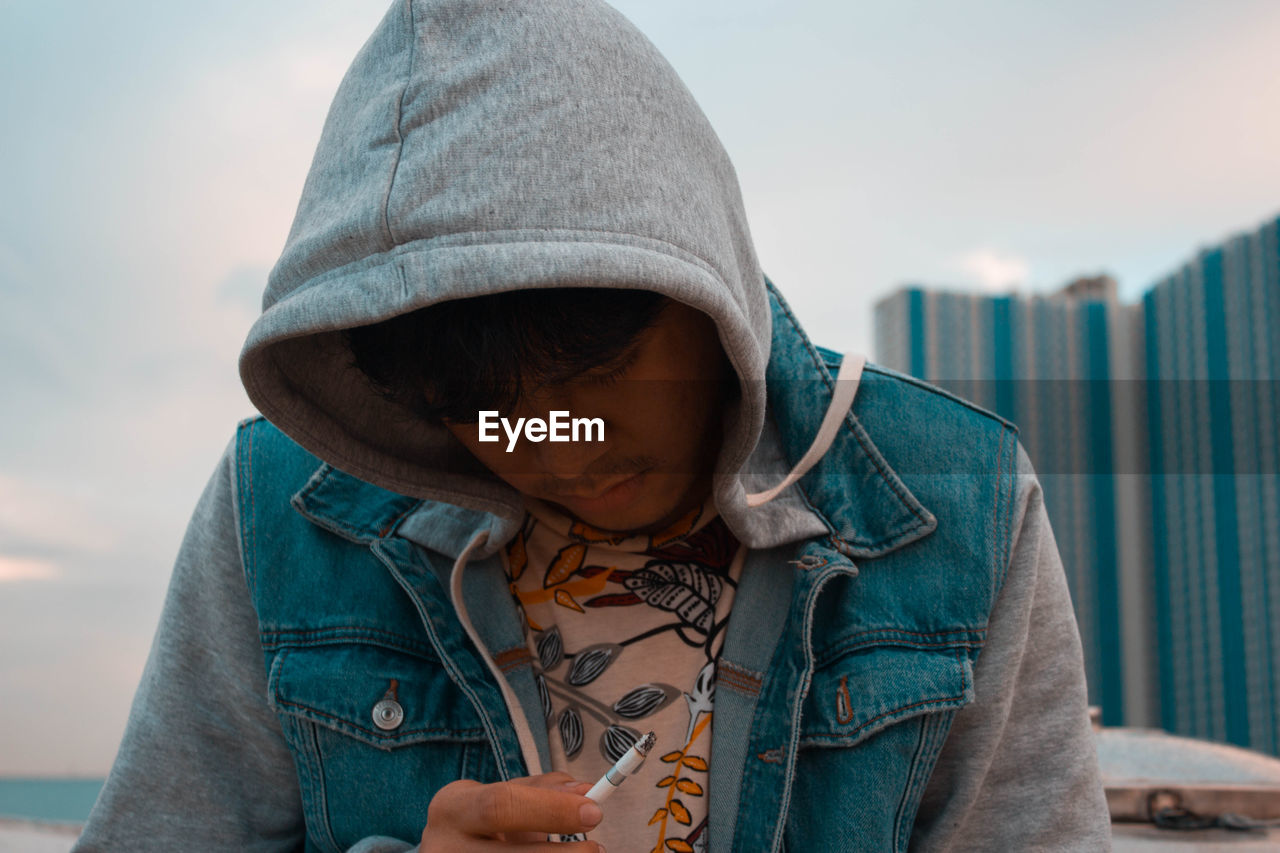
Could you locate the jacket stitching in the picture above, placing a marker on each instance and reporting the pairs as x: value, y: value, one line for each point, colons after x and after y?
x: 995, y: 519
x: 835, y: 655
x: 392, y: 526
x: 251, y: 564
x: 932, y: 735
x: 938, y: 392
x: 282, y: 639
x: 921, y: 703
x: 1009, y: 499
x: 912, y: 783
x: 817, y: 361
x: 909, y: 633
x: 730, y: 667
x: 347, y: 724
x: 892, y: 636
x: 835, y: 738
x: 361, y: 534
x: 891, y: 482
x: 321, y: 788
x: 804, y: 496
x: 337, y: 525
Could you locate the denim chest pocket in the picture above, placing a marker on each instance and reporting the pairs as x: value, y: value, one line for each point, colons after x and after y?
x: 375, y: 732
x: 862, y: 692
x: 873, y: 724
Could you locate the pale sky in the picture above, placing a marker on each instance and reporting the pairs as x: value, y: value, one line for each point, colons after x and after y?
x: 154, y: 152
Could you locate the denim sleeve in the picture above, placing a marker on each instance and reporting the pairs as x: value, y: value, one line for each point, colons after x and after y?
x: 1019, y: 769
x: 203, y: 764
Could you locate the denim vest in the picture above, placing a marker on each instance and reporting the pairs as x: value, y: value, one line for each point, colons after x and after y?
x: 838, y: 680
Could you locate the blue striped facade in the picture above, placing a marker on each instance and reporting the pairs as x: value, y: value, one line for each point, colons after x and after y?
x: 1212, y: 335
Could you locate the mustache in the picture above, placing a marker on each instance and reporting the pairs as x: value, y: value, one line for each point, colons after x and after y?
x: 618, y: 471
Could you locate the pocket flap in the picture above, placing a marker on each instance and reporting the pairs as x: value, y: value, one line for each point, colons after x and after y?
x: 862, y: 692
x: 339, y: 685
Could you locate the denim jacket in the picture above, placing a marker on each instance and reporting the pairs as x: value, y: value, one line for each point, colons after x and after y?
x: 909, y: 679
x: 848, y: 655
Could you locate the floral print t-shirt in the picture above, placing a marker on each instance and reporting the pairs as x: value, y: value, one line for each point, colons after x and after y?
x: 626, y: 632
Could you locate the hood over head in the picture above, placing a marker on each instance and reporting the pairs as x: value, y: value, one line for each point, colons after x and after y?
x: 476, y: 147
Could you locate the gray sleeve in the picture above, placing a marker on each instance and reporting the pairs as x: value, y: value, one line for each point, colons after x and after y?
x: 203, y: 764
x: 1019, y: 769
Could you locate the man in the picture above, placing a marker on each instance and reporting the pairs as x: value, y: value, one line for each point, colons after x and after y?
x: 407, y: 615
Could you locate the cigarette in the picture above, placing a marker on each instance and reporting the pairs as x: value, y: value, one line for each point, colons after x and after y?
x: 626, y: 766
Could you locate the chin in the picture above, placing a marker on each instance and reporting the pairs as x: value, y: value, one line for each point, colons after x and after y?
x: 652, y: 511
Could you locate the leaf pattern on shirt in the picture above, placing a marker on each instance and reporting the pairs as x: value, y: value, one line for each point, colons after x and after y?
x: 701, y: 700
x: 550, y: 648
x: 616, y: 740
x: 686, y: 589
x: 591, y: 662
x: 640, y: 702
x: 544, y: 695
x: 684, y: 761
x: 565, y: 599
x: 567, y: 561
x: 570, y: 726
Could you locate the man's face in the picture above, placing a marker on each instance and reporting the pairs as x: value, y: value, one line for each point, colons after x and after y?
x: 662, y: 429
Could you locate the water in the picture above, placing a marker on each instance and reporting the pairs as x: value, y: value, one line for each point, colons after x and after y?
x: 53, y: 800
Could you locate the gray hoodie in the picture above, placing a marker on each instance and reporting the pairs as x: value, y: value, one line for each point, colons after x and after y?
x: 481, y: 147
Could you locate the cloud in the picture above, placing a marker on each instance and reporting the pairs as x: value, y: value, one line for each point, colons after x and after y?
x: 16, y: 569
x: 47, y: 519
x: 993, y: 270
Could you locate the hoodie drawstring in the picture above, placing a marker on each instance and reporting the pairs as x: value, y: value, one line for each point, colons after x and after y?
x: 846, y: 388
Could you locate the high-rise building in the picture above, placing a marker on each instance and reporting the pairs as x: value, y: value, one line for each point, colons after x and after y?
x: 1154, y: 428
x: 1213, y: 360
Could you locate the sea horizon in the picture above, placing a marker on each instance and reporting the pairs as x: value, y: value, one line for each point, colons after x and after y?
x: 49, y: 799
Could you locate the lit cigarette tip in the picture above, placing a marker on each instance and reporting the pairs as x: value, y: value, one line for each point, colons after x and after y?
x: 646, y: 743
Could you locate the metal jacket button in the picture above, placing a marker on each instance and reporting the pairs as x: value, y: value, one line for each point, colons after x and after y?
x: 388, y: 714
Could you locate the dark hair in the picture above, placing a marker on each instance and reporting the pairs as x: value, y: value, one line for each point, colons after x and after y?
x: 453, y: 359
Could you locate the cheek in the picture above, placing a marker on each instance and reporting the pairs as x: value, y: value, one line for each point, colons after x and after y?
x: 669, y: 421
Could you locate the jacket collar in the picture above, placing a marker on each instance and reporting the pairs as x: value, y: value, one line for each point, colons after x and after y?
x: 852, y: 490
x: 851, y: 495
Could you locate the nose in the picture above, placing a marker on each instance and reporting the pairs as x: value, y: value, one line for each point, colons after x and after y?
x: 567, y: 460
x: 563, y: 460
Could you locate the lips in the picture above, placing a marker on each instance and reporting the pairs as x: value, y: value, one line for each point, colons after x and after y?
x: 617, y: 496
x: 596, y: 495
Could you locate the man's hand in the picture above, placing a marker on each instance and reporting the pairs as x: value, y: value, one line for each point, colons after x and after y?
x: 517, y: 815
